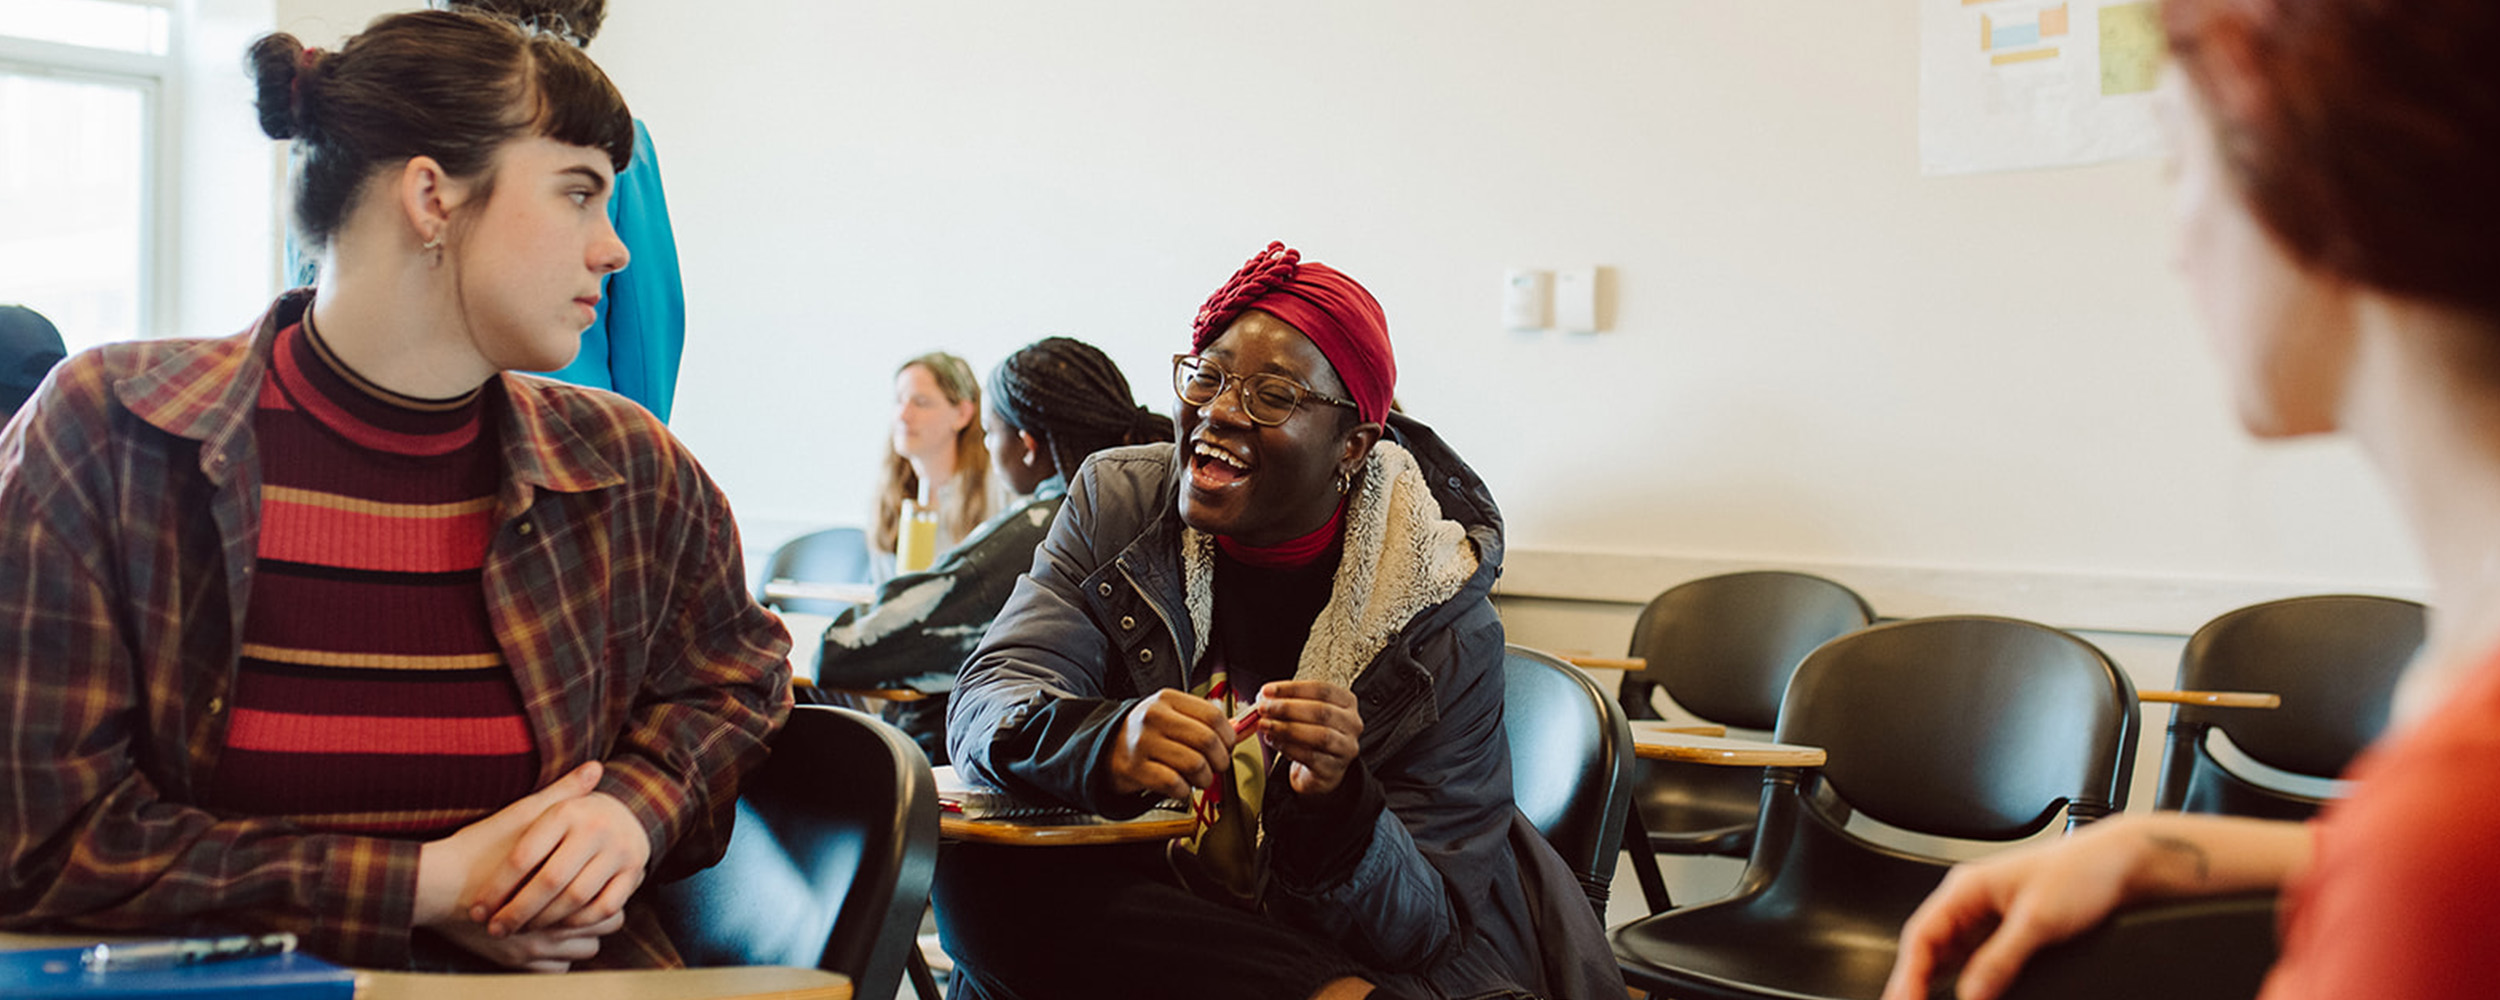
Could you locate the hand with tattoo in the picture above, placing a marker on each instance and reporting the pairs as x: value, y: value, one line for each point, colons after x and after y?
x: 1991, y: 915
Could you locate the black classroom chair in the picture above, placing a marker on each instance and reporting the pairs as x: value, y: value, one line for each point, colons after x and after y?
x: 1570, y: 764
x: 2334, y: 659
x: 833, y: 555
x: 1723, y: 648
x: 2214, y: 948
x: 1969, y: 727
x: 830, y: 861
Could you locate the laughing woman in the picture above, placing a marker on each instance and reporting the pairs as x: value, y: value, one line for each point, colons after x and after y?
x: 1311, y: 572
x: 338, y: 627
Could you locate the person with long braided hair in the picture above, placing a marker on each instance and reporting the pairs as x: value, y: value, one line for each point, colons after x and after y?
x: 1285, y: 620
x: 1056, y: 402
x: 1050, y: 405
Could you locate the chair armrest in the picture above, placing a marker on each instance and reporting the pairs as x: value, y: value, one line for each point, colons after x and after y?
x: 889, y: 694
x: 803, y: 590
x: 2214, y: 699
x: 1667, y: 728
x: 1656, y: 744
x: 1592, y: 661
x: 832, y: 695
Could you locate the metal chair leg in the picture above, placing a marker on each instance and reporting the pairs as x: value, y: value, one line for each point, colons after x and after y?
x: 916, y: 965
x: 1645, y: 862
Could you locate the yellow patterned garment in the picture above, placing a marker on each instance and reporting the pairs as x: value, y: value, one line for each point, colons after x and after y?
x: 1227, y: 851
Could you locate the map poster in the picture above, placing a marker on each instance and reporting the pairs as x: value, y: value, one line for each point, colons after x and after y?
x: 2021, y: 84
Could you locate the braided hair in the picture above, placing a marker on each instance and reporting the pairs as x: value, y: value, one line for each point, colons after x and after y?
x: 1265, y: 271
x: 1073, y: 399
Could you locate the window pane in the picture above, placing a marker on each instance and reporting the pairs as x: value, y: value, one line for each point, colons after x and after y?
x: 100, y: 24
x: 71, y: 154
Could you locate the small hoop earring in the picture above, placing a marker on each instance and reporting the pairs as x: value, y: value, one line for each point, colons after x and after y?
x: 436, y: 243
x: 1345, y: 481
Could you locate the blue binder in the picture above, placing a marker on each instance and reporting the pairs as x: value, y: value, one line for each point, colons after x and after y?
x: 56, y: 974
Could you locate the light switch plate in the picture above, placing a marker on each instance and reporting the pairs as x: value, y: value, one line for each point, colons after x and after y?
x: 1575, y: 299
x: 1525, y: 294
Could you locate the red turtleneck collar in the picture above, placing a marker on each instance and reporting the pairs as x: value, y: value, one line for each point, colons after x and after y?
x: 1293, y: 554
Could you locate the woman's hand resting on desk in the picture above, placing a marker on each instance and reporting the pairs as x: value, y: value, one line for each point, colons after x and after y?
x: 1990, y: 916
x: 586, y: 851
x: 1317, y: 726
x: 552, y: 950
x: 1170, y: 743
x: 575, y: 866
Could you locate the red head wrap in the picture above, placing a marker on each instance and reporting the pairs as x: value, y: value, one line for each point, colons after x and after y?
x: 1337, y: 314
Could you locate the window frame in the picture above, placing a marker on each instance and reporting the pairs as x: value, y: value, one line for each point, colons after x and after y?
x: 158, y: 78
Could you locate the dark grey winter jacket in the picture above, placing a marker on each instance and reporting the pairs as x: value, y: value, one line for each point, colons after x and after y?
x: 1457, y: 895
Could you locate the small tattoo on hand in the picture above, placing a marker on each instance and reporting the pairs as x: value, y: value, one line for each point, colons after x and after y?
x: 2204, y: 864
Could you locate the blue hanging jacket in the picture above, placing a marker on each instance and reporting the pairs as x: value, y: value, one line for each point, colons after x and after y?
x: 634, y: 345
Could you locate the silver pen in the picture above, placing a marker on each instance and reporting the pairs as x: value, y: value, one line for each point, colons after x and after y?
x: 183, y: 951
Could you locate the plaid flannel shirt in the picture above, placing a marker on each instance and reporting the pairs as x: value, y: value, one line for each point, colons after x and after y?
x: 129, y: 512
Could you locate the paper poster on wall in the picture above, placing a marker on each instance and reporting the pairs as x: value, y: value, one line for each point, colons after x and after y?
x: 2017, y: 84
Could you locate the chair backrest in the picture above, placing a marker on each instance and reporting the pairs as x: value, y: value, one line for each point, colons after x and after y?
x: 834, y: 555
x: 830, y: 862
x: 2199, y: 948
x: 1970, y: 726
x: 29, y: 346
x: 1570, y: 764
x: 2335, y: 659
x: 1724, y: 646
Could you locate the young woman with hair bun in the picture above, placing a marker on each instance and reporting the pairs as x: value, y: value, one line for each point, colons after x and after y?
x: 2338, y: 226
x: 339, y: 626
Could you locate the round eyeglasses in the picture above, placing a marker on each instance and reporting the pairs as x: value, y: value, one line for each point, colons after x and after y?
x: 1267, y: 399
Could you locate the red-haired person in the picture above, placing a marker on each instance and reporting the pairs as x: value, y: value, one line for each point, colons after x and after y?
x: 336, y: 626
x: 2339, y: 226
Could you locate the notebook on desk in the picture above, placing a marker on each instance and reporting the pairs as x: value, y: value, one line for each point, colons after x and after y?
x: 61, y: 974
x: 960, y: 797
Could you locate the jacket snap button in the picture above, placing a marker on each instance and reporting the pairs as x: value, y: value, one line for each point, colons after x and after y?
x: 1104, y: 590
x: 1127, y: 622
x: 1145, y: 656
x: 216, y: 705
x: 1454, y: 482
x: 525, y: 528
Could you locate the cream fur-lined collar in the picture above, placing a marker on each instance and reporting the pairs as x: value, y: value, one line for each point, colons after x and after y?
x: 1401, y: 558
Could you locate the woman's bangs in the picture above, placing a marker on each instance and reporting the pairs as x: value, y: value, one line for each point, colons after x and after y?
x: 577, y: 105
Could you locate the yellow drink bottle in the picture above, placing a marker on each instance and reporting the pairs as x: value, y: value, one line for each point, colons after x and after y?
x: 915, y: 539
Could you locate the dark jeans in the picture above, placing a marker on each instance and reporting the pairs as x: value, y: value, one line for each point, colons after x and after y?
x: 1046, y: 922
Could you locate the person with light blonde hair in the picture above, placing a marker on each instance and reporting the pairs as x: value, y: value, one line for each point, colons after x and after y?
x: 937, y: 459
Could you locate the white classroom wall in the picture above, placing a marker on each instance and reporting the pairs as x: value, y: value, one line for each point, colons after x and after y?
x: 1814, y: 353
x: 1959, y: 393
x: 1956, y: 394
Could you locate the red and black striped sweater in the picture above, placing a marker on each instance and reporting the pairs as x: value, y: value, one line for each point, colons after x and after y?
x: 372, y: 696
